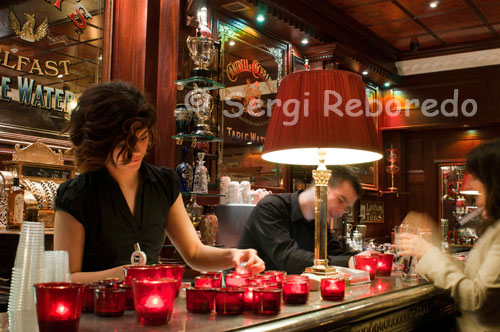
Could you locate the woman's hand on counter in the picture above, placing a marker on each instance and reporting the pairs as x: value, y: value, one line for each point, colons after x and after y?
x: 412, y: 245
x: 253, y: 262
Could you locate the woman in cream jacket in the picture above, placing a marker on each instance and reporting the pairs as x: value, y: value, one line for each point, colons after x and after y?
x: 474, y: 284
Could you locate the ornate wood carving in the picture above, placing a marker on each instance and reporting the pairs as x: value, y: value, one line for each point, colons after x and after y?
x: 39, y: 153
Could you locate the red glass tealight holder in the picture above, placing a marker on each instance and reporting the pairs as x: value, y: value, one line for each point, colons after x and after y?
x: 140, y: 272
x: 153, y: 300
x: 207, y: 282
x: 88, y: 297
x: 175, y: 271
x: 248, y: 296
x: 280, y: 276
x: 295, y: 291
x: 110, y: 283
x: 109, y: 302
x: 212, y: 274
x: 129, y: 296
x: 366, y: 263
x: 59, y: 305
x: 200, y: 300
x: 267, y: 301
x: 229, y: 301
x: 236, y: 280
x: 333, y: 289
x: 384, y: 264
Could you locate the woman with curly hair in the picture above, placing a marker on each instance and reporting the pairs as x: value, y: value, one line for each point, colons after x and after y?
x: 119, y: 200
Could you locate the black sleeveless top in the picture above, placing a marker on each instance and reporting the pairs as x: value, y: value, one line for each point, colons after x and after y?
x: 97, y: 202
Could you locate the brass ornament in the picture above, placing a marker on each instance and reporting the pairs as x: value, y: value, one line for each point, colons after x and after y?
x: 27, y: 31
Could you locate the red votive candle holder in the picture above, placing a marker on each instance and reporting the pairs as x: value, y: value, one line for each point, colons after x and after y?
x: 366, y: 263
x: 200, y: 300
x: 129, y: 296
x: 88, y: 297
x: 110, y: 283
x: 267, y: 301
x: 333, y: 289
x: 280, y: 276
x: 153, y: 300
x: 236, y: 280
x: 384, y: 264
x: 248, y: 296
x: 140, y: 272
x: 207, y: 282
x: 59, y: 305
x: 175, y: 271
x: 229, y: 301
x: 295, y: 291
x: 215, y: 275
x: 109, y: 302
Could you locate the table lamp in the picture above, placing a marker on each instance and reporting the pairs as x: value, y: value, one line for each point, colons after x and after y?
x: 319, y: 118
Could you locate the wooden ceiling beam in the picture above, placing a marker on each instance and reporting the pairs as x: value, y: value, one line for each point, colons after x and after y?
x: 336, y: 26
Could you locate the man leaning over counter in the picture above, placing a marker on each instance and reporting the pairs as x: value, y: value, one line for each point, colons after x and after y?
x: 281, y: 226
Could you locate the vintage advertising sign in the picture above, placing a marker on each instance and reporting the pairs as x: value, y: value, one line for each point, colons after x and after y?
x: 50, y: 51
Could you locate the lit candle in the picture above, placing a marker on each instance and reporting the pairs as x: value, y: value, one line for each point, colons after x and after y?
x: 153, y: 300
x: 384, y: 265
x: 366, y: 263
x: 333, y: 289
x: 248, y: 296
x: 59, y: 305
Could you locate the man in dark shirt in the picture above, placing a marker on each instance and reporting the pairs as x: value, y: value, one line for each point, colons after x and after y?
x: 281, y: 226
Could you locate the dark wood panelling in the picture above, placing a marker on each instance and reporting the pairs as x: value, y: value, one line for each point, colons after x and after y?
x: 143, y: 52
x: 167, y: 73
x: 480, y: 84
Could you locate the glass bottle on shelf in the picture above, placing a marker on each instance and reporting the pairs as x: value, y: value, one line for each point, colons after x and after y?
x: 194, y: 210
x: 200, y: 184
x: 15, y: 203
x: 185, y: 172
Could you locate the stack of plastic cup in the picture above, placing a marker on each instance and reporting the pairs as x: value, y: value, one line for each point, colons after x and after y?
x: 28, y: 267
x: 56, y: 266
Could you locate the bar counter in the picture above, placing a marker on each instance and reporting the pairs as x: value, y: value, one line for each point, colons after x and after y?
x: 385, y: 304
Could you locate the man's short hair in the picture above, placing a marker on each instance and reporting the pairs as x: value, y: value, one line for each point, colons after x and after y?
x: 341, y: 174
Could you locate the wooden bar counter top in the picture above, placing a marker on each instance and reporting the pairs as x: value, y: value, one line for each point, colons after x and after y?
x: 385, y: 304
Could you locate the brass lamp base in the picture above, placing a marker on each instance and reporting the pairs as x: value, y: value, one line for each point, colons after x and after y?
x: 321, y: 268
x: 326, y: 271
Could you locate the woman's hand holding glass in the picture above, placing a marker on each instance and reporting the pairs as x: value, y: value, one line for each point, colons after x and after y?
x: 412, y: 245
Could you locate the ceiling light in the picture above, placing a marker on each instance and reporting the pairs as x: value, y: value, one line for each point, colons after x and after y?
x: 433, y: 4
x: 305, y: 41
x: 231, y: 43
x: 365, y: 72
x: 260, y: 18
x: 387, y: 84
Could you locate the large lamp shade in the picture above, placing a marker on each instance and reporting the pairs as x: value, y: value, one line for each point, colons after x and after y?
x: 321, y: 109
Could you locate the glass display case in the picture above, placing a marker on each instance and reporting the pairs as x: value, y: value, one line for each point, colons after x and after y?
x: 457, y: 209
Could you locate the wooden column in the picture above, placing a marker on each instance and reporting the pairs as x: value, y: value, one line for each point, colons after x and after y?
x: 168, y: 31
x: 141, y: 43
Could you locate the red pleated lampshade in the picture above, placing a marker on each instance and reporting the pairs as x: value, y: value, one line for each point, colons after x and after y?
x: 321, y: 109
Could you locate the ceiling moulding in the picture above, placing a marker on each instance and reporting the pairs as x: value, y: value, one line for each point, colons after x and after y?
x: 449, y: 62
x: 343, y: 54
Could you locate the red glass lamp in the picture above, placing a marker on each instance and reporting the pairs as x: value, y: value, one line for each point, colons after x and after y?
x: 320, y: 119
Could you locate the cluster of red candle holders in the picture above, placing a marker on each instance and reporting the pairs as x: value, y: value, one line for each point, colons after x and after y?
x: 151, y: 291
x: 379, y: 264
